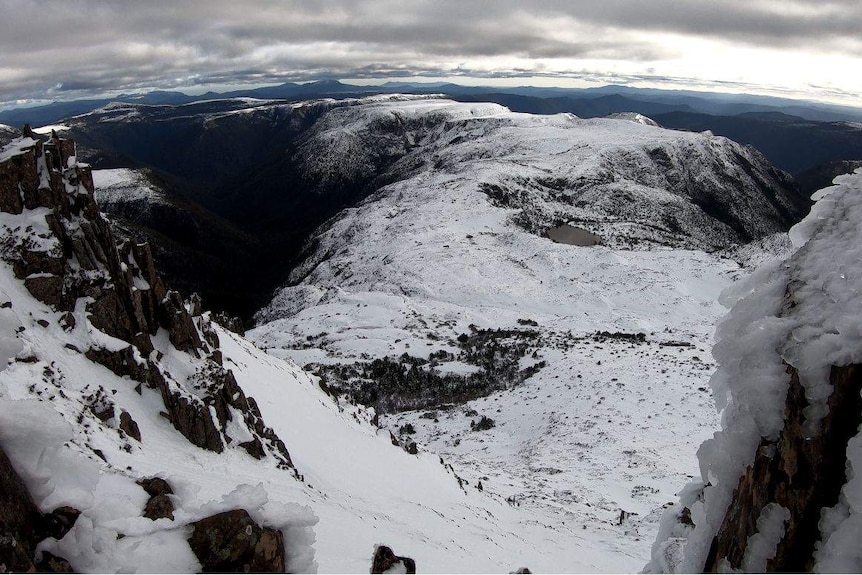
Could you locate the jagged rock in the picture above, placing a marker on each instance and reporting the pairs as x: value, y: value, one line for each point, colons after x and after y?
x: 129, y: 426
x: 192, y: 418
x: 385, y: 561
x: 229, y: 322
x: 233, y: 542
x: 16, y: 178
x: 18, y: 520
x: 254, y: 448
x: 195, y: 305
x: 174, y: 318
x: 126, y: 298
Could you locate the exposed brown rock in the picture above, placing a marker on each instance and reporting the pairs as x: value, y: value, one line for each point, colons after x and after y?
x: 174, y: 317
x: 17, y: 177
x: 233, y: 542
x: 159, y: 507
x: 155, y: 486
x: 47, y: 288
x: 229, y: 322
x: 127, y: 298
x: 385, y: 559
x: 129, y: 426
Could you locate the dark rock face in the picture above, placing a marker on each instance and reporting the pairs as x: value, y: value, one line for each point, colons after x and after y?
x: 18, y: 521
x: 385, y: 559
x: 159, y: 507
x: 801, y: 474
x: 231, y: 542
x: 22, y: 526
x: 129, y: 426
x: 80, y: 257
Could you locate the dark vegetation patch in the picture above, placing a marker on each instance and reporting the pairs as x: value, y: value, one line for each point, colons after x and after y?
x: 392, y: 384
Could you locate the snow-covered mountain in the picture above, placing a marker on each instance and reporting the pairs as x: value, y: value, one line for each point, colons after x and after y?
x: 269, y: 173
x: 111, y: 381
x: 569, y: 380
x: 531, y: 298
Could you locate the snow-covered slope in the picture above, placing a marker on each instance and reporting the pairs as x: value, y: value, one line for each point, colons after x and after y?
x: 441, y: 293
x: 7, y: 134
x: 122, y: 189
x: 68, y: 393
x: 780, y: 484
x: 625, y: 180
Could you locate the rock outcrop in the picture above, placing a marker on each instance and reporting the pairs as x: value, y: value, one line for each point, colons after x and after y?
x: 232, y: 542
x: 76, y: 259
x: 801, y: 474
x: 385, y: 561
x: 112, y: 308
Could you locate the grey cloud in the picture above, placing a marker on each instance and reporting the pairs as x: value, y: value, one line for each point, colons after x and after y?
x: 128, y: 44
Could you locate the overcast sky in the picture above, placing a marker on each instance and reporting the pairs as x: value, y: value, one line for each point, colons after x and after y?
x: 70, y: 48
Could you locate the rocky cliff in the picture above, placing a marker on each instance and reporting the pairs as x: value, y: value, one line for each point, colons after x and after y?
x: 73, y: 258
x: 780, y: 487
x: 104, y: 302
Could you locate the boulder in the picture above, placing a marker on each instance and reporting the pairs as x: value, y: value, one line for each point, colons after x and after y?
x: 129, y: 426
x: 159, y: 506
x: 385, y: 561
x: 233, y: 542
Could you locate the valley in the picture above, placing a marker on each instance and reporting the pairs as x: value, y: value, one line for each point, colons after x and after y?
x: 449, y: 376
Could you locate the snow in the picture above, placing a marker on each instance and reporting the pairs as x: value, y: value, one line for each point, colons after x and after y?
x: 763, y: 544
x: 607, y: 426
x: 583, y: 455
x: 125, y: 188
x: 46, y: 130
x: 16, y: 147
x: 633, y: 117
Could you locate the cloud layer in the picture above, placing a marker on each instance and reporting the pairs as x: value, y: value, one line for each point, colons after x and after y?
x: 51, y: 48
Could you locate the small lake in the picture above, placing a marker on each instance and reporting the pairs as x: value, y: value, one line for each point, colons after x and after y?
x: 573, y: 236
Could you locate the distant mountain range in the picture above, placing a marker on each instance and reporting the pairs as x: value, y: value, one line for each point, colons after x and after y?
x: 794, y: 135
